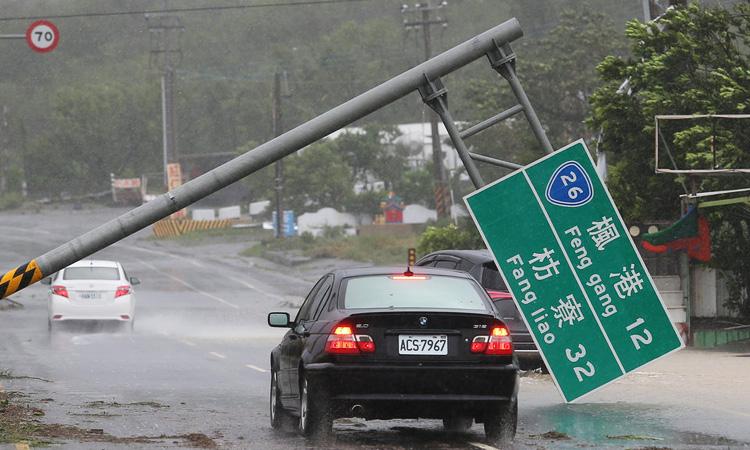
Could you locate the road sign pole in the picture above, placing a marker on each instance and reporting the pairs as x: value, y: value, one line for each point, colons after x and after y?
x: 263, y: 155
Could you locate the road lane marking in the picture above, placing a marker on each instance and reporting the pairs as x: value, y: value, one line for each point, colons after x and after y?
x: 250, y: 366
x: 218, y: 355
x: 186, y: 342
x: 482, y: 446
x: 188, y: 285
x: 241, y: 281
x: 200, y: 264
x: 25, y: 230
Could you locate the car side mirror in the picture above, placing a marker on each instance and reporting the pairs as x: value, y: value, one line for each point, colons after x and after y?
x: 279, y: 319
x: 47, y: 281
x: 134, y: 281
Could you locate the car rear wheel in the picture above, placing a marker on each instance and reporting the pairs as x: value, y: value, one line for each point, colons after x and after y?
x: 315, y: 418
x: 457, y: 424
x: 500, y: 423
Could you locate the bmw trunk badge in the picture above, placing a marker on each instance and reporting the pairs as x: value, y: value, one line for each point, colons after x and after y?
x: 423, y: 321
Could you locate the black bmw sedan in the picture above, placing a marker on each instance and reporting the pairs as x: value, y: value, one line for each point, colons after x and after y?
x: 381, y: 343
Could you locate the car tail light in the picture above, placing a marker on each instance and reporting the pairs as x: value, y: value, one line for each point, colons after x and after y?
x: 343, y: 341
x: 122, y: 290
x: 497, y: 343
x: 62, y: 291
x: 499, y: 295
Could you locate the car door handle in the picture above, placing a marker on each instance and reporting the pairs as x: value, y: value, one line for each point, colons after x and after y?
x: 292, y: 337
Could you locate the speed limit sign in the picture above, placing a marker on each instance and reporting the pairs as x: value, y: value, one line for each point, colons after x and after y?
x: 42, y: 36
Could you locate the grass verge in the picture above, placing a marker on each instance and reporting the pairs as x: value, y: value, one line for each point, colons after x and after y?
x: 379, y: 249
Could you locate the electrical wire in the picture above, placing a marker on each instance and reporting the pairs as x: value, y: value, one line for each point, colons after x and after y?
x: 183, y: 10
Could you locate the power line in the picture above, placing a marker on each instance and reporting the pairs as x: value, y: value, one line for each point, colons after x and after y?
x: 180, y: 10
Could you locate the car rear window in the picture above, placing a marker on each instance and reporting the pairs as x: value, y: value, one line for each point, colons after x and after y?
x: 491, y: 278
x: 507, y: 308
x: 388, y: 291
x: 91, y: 273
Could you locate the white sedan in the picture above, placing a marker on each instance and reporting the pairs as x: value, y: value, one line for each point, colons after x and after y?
x: 92, y: 290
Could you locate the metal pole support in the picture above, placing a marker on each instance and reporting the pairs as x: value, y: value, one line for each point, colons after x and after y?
x: 503, y: 60
x: 434, y: 94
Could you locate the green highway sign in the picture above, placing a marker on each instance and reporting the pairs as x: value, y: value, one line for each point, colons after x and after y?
x: 574, y: 272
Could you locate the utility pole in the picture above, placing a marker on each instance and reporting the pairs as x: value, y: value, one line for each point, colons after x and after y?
x: 424, y: 21
x: 280, y: 89
x: 166, y: 55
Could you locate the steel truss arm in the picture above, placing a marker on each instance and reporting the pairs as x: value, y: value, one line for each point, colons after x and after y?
x: 503, y: 60
x: 435, y: 95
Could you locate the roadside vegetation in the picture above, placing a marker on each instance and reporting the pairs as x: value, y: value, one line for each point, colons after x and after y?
x: 695, y: 61
x: 463, y: 236
x: 375, y: 249
x: 10, y: 200
x: 99, y: 112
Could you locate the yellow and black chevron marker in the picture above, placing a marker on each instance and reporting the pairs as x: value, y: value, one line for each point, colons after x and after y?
x: 166, y: 228
x: 18, y: 278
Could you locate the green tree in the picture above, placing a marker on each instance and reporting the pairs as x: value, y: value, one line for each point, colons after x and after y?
x: 558, y: 73
x: 464, y: 236
x: 694, y: 61
x: 317, y: 177
x: 96, y: 130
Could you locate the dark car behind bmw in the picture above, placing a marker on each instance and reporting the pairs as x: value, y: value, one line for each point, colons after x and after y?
x: 480, y: 265
x: 381, y: 343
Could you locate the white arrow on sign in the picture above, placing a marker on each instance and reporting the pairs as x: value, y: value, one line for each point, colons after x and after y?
x: 42, y: 36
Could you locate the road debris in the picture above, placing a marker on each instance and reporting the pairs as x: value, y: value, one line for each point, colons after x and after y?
x: 554, y: 435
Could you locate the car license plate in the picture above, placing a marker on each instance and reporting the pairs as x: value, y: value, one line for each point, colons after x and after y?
x: 89, y: 295
x: 422, y: 344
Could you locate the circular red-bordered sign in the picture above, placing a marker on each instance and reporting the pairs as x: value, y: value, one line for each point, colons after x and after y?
x: 42, y: 36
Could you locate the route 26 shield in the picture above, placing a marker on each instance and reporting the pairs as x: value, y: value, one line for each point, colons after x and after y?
x: 570, y: 186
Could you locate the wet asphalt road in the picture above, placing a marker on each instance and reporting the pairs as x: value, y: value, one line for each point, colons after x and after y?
x: 197, y: 362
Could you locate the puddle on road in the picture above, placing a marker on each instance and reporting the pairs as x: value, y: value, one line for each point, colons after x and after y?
x: 611, y: 424
x: 407, y: 433
x: 237, y: 328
